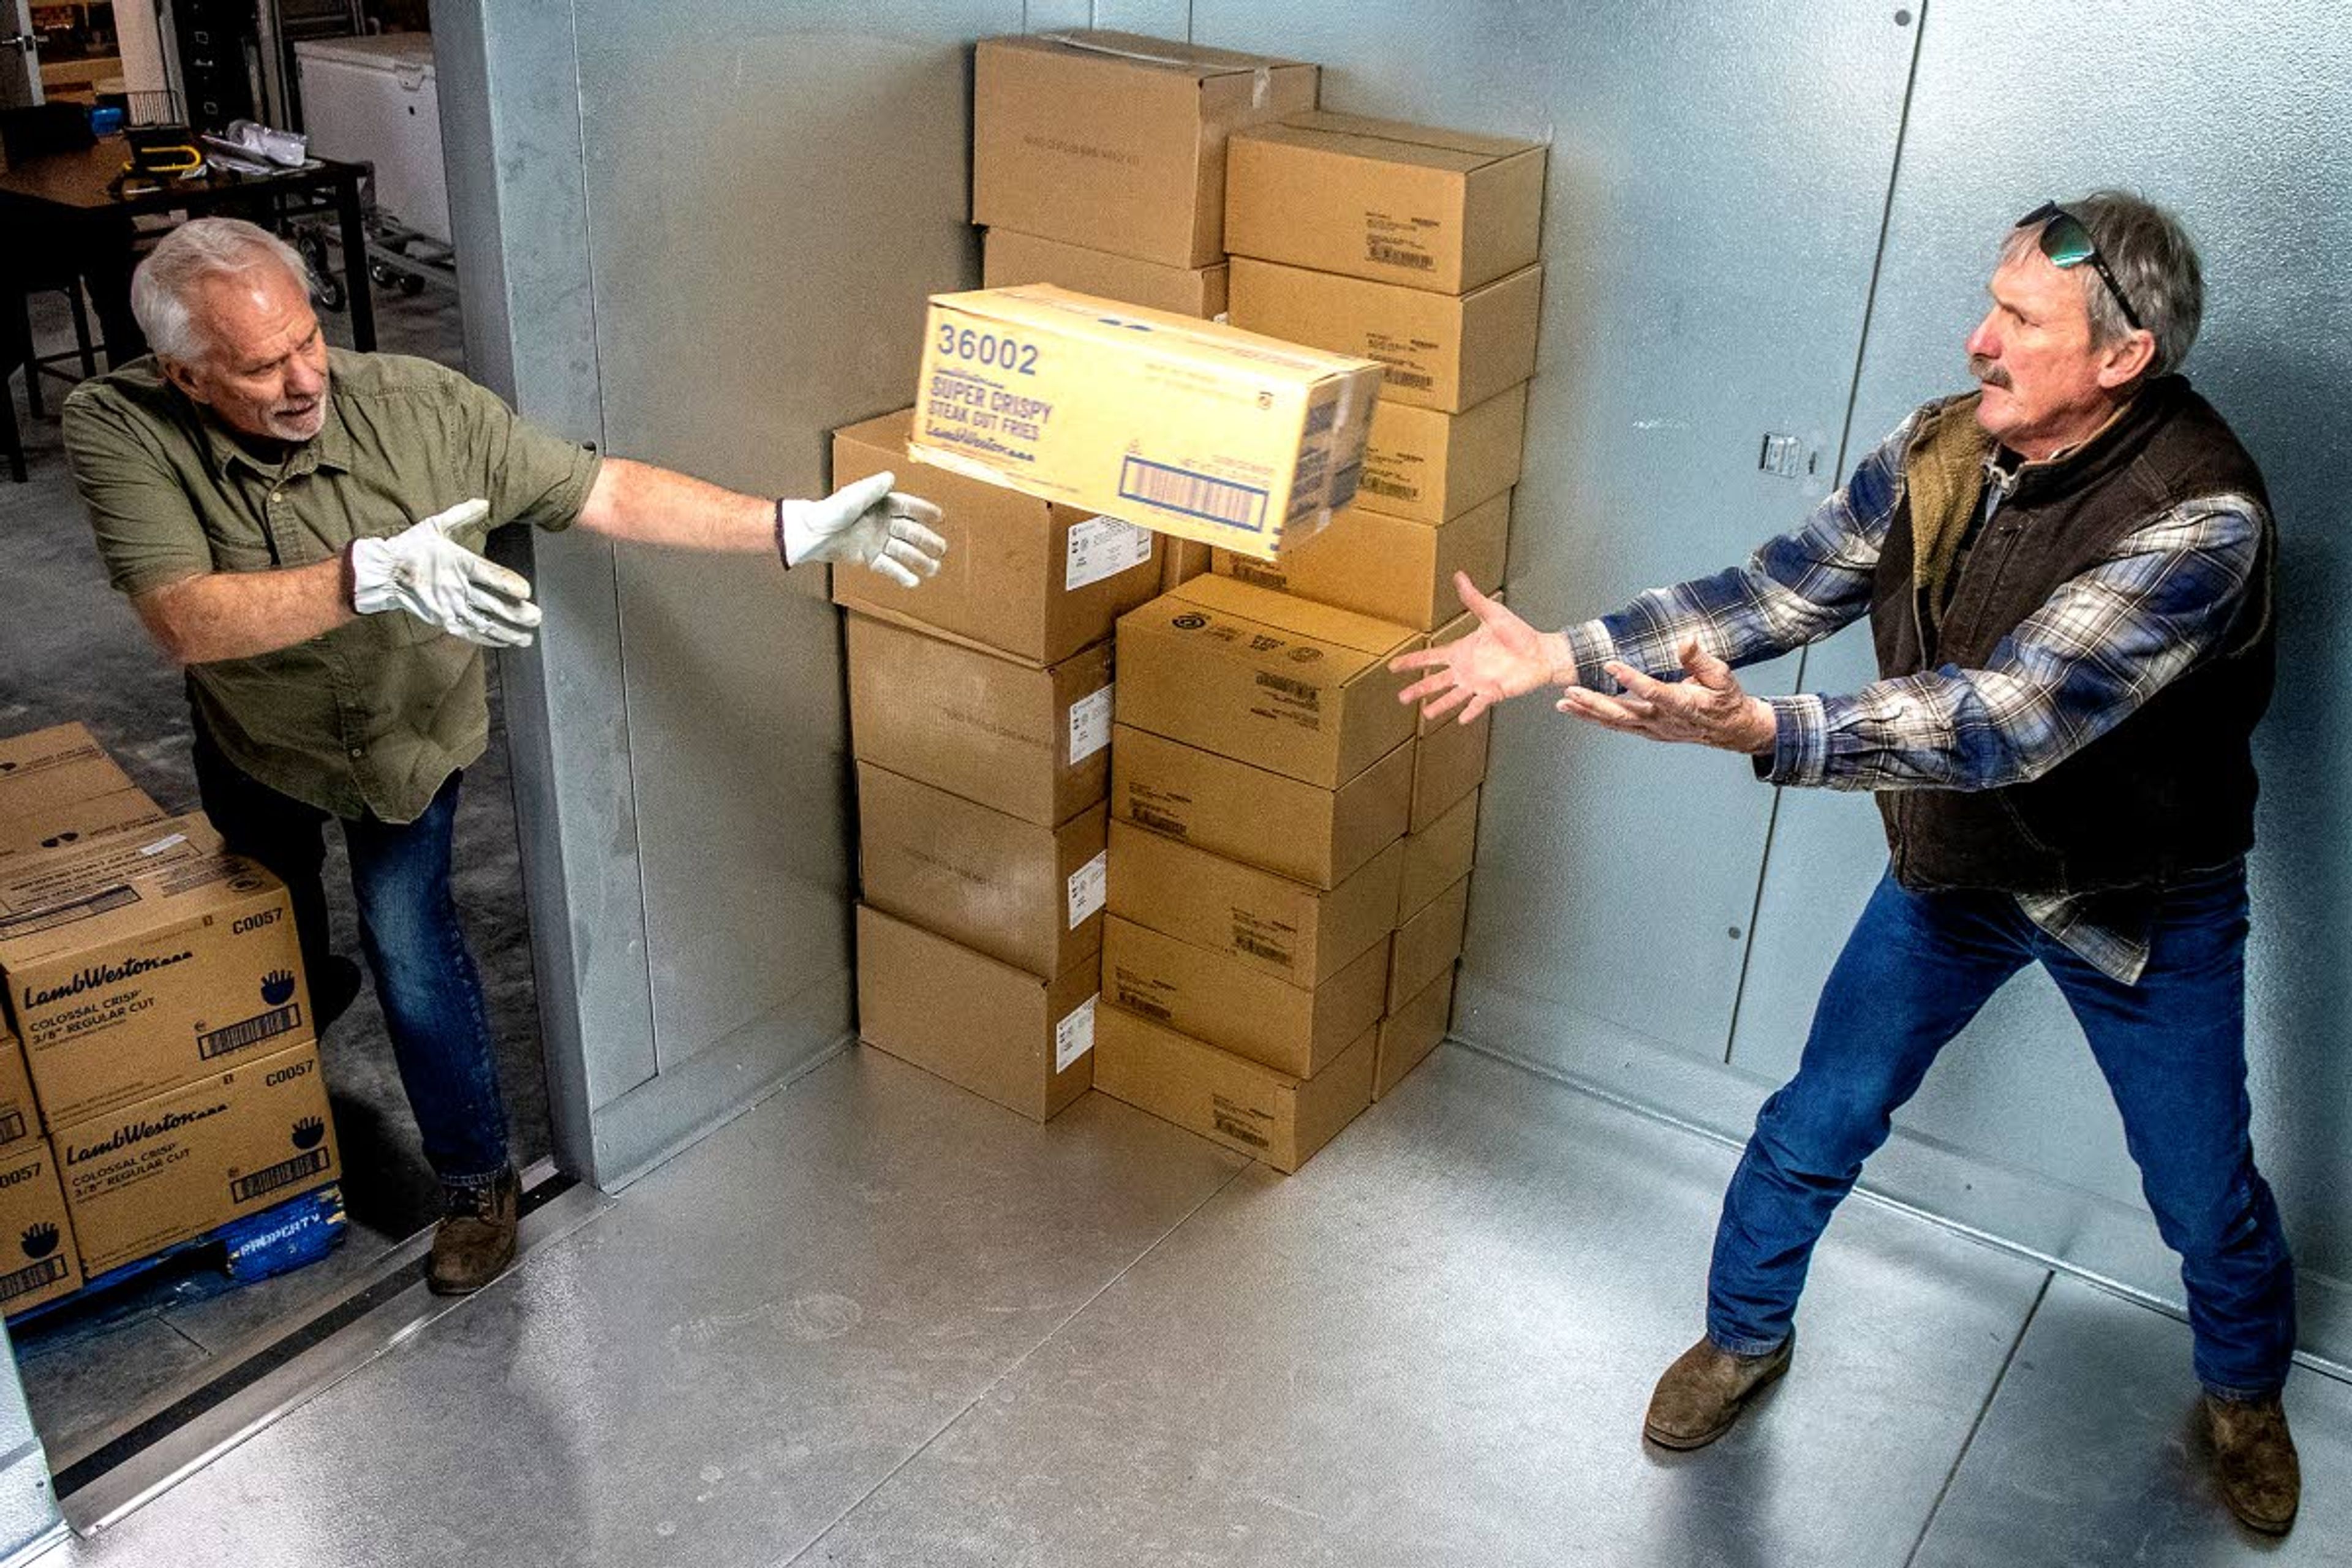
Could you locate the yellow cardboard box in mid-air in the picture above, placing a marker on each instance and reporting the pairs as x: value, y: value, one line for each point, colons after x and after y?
x: 1186, y: 426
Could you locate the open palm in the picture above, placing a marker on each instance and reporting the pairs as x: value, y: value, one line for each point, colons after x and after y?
x: 1502, y: 657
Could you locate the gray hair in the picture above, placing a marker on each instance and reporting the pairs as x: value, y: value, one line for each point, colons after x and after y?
x: 199, y: 249
x: 2152, y: 258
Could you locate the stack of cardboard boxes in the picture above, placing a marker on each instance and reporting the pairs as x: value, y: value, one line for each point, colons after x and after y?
x: 981, y: 716
x: 1417, y: 247
x: 1098, y: 165
x: 159, y: 1073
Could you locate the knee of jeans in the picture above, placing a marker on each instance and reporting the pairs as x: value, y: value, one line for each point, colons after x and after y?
x: 1824, y: 1135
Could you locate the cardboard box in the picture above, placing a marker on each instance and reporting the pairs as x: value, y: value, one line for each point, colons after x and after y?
x: 1291, y: 930
x: 1182, y: 426
x: 1117, y: 142
x: 1034, y: 580
x: 1186, y: 558
x: 1437, y: 858
x: 20, y: 1112
x: 1427, y: 944
x: 1033, y: 743
x: 1449, y: 764
x: 1235, y: 1007
x: 1295, y: 688
x: 143, y: 961
x: 1435, y: 209
x: 181, y: 1162
x: 1387, y: 567
x: 1229, y: 808
x: 1430, y: 466
x: 1001, y: 1032
x: 1442, y: 351
x: 1009, y: 259
x: 1411, y: 1032
x: 1246, y: 1105
x: 62, y: 824
x: 38, y: 1260
x: 1028, y: 896
x: 58, y: 785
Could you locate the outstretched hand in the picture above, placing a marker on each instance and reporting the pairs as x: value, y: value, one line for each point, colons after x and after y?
x: 1710, y: 708
x: 1500, y: 658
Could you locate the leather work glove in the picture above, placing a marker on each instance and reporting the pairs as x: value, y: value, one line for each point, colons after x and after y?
x: 868, y: 524
x: 423, y: 571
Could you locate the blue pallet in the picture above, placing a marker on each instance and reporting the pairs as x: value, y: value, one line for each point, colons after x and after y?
x: 278, y: 1240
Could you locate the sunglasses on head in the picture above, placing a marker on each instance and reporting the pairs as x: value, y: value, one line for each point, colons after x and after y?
x: 2067, y: 243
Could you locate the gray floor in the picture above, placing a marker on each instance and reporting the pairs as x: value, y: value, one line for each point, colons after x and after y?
x: 878, y: 1320
x: 71, y: 649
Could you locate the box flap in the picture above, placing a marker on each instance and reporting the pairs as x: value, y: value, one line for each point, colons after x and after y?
x: 1145, y: 52
x: 66, y: 899
x: 1395, y: 141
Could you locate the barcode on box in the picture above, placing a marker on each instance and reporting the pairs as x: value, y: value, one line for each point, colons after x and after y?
x: 1244, y: 943
x: 285, y: 1174
x: 56, y: 915
x: 12, y: 1127
x: 1390, y: 489
x: 1389, y: 256
x: 47, y: 1271
x: 253, y: 1031
x: 1412, y: 378
x: 1189, y: 494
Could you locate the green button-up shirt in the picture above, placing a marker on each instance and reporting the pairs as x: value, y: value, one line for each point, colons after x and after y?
x: 373, y: 717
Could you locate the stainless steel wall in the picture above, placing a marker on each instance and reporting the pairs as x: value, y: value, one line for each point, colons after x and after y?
x: 1649, y: 921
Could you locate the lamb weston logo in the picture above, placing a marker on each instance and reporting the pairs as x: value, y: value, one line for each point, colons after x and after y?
x: 131, y: 1134
x: 102, y: 974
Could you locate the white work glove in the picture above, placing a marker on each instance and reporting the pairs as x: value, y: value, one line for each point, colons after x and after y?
x: 440, y: 582
x: 868, y: 524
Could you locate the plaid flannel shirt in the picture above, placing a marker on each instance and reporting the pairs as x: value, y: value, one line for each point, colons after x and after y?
x: 2100, y: 646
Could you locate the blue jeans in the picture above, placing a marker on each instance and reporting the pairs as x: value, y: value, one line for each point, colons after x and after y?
x: 424, y: 974
x: 1915, y: 970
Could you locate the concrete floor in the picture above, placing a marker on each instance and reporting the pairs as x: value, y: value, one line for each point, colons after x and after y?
x: 70, y: 648
x: 877, y: 1320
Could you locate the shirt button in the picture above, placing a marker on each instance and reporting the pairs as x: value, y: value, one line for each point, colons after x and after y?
x: 359, y: 751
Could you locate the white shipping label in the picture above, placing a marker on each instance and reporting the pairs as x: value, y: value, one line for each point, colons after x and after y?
x: 1089, y: 885
x: 1091, y: 724
x: 1104, y: 547
x: 1073, y: 1037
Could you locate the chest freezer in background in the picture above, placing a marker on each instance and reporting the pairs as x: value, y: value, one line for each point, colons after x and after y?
x: 373, y: 100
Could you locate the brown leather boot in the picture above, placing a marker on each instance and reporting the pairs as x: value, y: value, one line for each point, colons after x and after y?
x: 1703, y: 1393
x: 2254, y: 1460
x: 477, y: 1237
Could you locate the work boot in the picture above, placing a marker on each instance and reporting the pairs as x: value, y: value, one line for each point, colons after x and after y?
x: 2254, y: 1460
x: 1701, y: 1394
x: 477, y: 1237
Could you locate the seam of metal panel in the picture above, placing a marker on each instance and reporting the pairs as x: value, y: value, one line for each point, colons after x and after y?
x: 1952, y: 1473
x: 620, y: 601
x: 1017, y: 1362
x: 1837, y: 472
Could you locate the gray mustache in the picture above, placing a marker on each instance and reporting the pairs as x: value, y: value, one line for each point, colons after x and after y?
x: 1986, y: 371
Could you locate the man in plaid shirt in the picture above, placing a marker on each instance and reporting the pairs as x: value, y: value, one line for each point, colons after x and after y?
x: 2067, y: 574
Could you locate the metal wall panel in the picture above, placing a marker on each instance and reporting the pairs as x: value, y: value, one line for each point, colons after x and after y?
x: 1718, y: 178
x: 2240, y: 120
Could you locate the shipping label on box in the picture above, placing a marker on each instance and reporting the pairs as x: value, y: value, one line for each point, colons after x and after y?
x: 1182, y: 425
x: 1246, y: 814
x: 38, y: 1260
x: 1440, y: 210
x: 1009, y: 259
x: 1005, y: 1035
x: 1440, y: 350
x: 1238, y: 1008
x: 1438, y: 857
x: 1033, y: 743
x: 1289, y: 930
x: 1267, y: 1114
x: 1012, y: 889
x: 1029, y: 579
x: 1427, y: 944
x: 179, y: 1163
x: 137, y: 962
x: 1117, y: 142
x: 1389, y: 567
x: 1411, y: 1032
x: 1295, y: 688
x: 1429, y: 466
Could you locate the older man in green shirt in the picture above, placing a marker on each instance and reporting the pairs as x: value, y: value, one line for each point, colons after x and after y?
x: 299, y: 528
